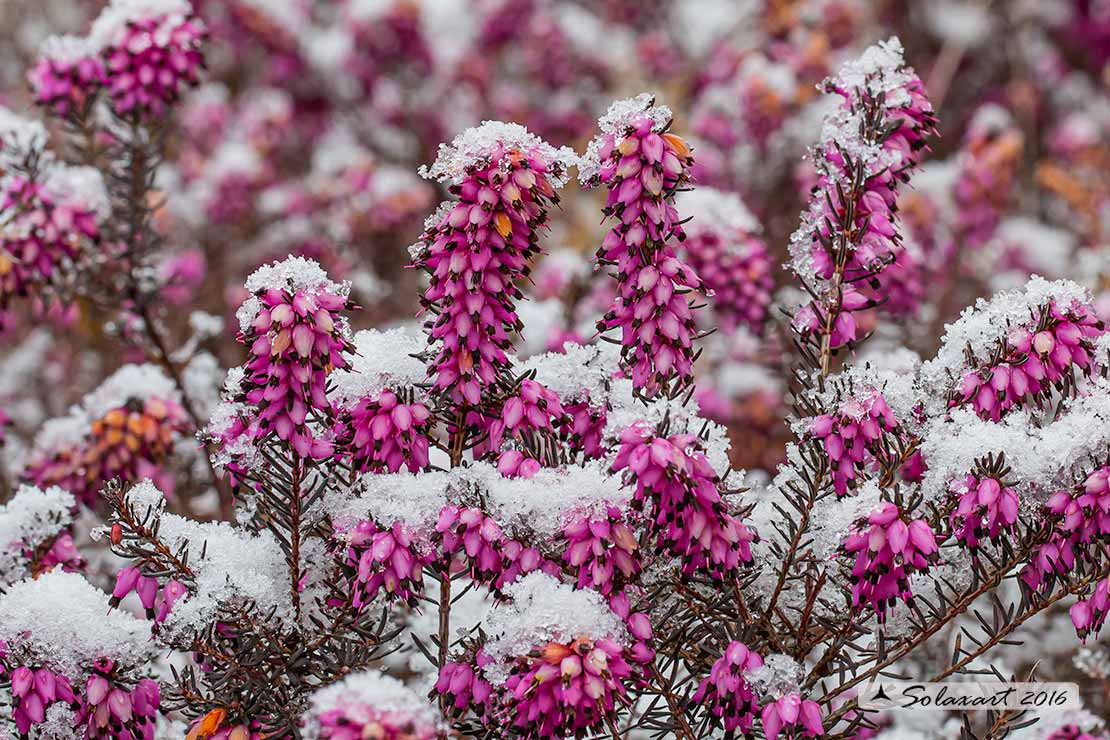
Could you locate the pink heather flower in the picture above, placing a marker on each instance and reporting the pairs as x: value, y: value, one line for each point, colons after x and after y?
x: 986, y: 509
x: 515, y: 464
x: 296, y: 339
x: 642, y: 166
x: 384, y: 434
x: 33, y: 692
x: 476, y: 248
x: 678, y: 490
x: 1086, y: 510
x: 387, y: 42
x: 888, y: 549
x: 602, y: 550
x: 112, y: 711
x: 726, y: 693
x: 784, y: 715
x: 809, y: 320
x: 148, y: 60
x: 62, y: 552
x: 875, y: 138
x: 1088, y: 615
x: 1034, y: 360
x: 853, y: 435
x: 67, y: 74
x: 384, y: 558
x: 44, y: 233
x: 988, y: 160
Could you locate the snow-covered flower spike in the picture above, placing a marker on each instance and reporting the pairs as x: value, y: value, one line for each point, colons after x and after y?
x: 297, y: 337
x: 64, y: 647
x: 384, y: 420
x: 849, y: 235
x: 35, y: 534
x: 558, y: 662
x: 370, y: 704
x: 476, y: 248
x: 124, y: 429
x: 1016, y: 349
x: 642, y: 165
x: 151, y: 53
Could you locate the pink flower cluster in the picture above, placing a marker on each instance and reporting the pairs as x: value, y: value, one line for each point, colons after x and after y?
x: 852, y: 436
x: 42, y: 235
x: 127, y: 442
x: 66, y: 76
x: 736, y: 269
x: 150, y: 61
x: 296, y: 338
x: 384, y: 558
x: 1081, y: 518
x: 559, y: 689
x: 490, y: 556
x: 888, y: 550
x: 642, y: 166
x: 107, y: 708
x: 568, y: 688
x: 384, y: 433
x: 784, y: 715
x: 986, y: 509
x: 112, y: 711
x: 602, y: 549
x: 1033, y: 361
x: 531, y: 407
x: 157, y: 603
x: 726, y: 692
x: 474, y: 250
x: 1089, y: 614
x: 679, y: 491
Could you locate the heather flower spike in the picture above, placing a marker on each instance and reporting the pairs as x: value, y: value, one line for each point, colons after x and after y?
x: 474, y: 248
x: 870, y: 145
x: 642, y: 165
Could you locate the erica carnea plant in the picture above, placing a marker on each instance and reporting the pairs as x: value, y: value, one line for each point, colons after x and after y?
x: 512, y: 517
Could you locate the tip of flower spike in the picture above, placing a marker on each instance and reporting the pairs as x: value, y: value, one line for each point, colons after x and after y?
x: 120, y: 13
x: 481, y: 145
x: 291, y: 273
x: 621, y: 115
x: 66, y: 48
x: 881, y: 69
